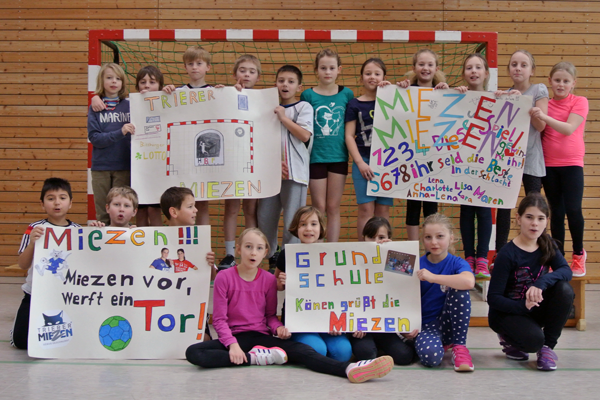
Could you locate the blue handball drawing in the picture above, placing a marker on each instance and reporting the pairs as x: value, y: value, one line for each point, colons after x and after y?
x: 115, y: 333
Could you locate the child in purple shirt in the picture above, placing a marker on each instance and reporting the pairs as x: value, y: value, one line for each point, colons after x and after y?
x: 244, y: 315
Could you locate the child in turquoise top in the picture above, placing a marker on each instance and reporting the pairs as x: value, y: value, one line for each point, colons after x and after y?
x: 329, y: 157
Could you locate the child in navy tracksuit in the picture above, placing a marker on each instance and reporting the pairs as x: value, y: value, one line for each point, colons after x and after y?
x: 110, y: 132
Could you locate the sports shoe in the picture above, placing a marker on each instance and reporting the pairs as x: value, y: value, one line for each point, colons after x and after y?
x: 227, y: 262
x: 471, y: 261
x: 462, y: 359
x: 571, y: 312
x: 481, y: 268
x: 273, y: 260
x: 365, y: 370
x: 269, y: 356
x: 511, y: 351
x: 578, y: 264
x: 546, y: 359
x: 491, y: 266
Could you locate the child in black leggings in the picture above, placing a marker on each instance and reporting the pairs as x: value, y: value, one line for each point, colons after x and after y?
x: 529, y: 305
x: 244, y: 315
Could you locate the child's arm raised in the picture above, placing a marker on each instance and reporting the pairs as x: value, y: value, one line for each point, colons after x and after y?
x: 463, y: 281
x: 26, y: 257
x: 296, y: 130
x: 97, y: 104
x: 404, y: 84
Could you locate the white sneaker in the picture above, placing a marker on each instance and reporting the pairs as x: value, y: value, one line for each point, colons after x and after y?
x: 269, y: 356
x: 365, y: 370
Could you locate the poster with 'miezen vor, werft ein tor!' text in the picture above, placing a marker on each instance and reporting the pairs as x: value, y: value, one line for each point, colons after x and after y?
x: 119, y: 293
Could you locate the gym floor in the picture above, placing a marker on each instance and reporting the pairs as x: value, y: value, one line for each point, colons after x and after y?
x: 495, y: 377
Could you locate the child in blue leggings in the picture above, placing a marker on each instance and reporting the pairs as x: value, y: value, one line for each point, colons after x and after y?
x: 308, y: 226
x: 445, y: 302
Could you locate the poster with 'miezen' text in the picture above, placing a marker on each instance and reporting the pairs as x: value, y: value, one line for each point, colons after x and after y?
x: 348, y: 287
x: 449, y: 147
x: 119, y: 293
x: 219, y: 142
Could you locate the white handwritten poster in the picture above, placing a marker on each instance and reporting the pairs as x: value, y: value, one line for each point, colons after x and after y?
x: 444, y: 146
x: 349, y: 287
x: 115, y: 293
x: 221, y: 143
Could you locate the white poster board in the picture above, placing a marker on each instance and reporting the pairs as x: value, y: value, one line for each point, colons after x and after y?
x: 351, y: 287
x: 448, y: 147
x: 95, y: 294
x: 221, y: 143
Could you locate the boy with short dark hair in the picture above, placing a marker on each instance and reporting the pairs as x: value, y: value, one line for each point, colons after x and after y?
x: 177, y: 203
x: 56, y: 199
x: 296, y: 130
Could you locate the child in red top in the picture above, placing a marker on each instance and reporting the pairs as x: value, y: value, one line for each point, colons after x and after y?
x: 564, y: 149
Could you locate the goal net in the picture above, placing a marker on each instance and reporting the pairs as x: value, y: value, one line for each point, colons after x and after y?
x: 133, y: 49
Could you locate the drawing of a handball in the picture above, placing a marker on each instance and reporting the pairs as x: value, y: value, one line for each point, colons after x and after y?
x: 115, y: 333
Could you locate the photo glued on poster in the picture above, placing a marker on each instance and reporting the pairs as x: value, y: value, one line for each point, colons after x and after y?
x: 119, y: 293
x: 400, y: 263
x: 207, y: 138
x: 345, y: 287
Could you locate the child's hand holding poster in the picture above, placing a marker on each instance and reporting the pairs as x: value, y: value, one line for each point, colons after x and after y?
x: 118, y: 293
x: 444, y: 146
x: 350, y: 287
x: 219, y: 142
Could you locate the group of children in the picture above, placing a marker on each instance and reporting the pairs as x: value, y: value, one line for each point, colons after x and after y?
x: 315, y: 146
x: 529, y: 296
x: 315, y: 155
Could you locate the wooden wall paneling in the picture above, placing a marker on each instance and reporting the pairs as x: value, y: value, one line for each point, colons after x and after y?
x: 43, y: 85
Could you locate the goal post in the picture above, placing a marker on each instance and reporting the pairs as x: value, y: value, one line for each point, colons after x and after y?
x: 163, y: 48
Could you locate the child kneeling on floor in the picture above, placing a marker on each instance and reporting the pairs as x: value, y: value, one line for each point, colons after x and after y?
x: 445, y: 301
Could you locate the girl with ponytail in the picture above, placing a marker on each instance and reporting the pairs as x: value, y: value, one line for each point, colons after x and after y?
x: 529, y: 294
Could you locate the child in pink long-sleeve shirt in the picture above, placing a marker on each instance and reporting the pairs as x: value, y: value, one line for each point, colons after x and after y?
x: 244, y: 315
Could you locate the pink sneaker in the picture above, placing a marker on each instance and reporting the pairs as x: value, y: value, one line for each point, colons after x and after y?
x: 462, y: 359
x: 471, y: 261
x: 481, y: 268
x: 578, y: 264
x: 365, y: 370
x: 491, y: 266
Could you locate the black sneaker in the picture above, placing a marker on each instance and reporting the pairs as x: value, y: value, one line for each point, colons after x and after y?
x: 273, y: 260
x: 227, y: 262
